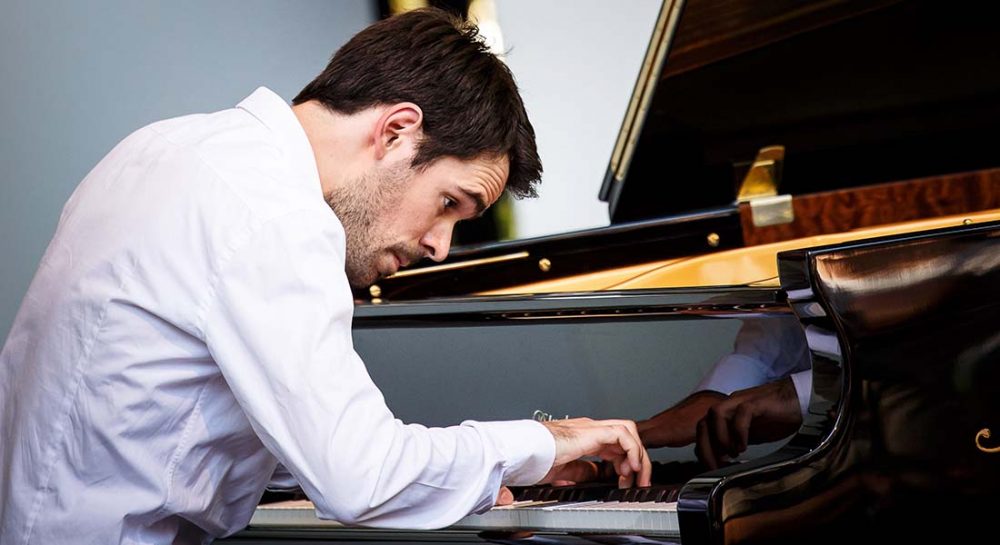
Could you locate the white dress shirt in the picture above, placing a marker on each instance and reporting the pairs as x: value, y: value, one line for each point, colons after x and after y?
x: 188, y: 329
x: 765, y: 349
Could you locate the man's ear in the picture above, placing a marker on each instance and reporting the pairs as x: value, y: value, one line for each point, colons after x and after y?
x: 398, y: 129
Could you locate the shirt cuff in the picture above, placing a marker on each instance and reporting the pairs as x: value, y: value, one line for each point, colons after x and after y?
x: 527, y: 447
x: 733, y: 372
x: 803, y: 381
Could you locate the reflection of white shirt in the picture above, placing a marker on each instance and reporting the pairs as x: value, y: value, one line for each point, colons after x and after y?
x: 189, y: 328
x: 765, y: 350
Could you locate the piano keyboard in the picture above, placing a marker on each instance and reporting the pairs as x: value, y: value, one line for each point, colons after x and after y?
x: 595, y: 516
x: 582, y: 509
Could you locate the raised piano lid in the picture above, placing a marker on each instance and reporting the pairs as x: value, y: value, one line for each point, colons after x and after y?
x: 857, y: 94
x: 886, y: 111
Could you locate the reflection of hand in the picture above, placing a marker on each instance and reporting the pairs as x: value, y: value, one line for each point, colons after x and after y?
x: 615, y: 441
x: 677, y: 426
x: 755, y: 415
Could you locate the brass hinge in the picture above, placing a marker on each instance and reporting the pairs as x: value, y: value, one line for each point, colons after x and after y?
x: 760, y: 189
x: 774, y: 210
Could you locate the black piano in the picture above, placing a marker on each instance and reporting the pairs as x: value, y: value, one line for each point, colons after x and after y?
x: 891, y: 126
x: 897, y: 444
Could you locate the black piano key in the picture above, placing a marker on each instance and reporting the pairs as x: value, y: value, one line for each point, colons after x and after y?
x: 529, y: 493
x: 655, y: 493
x: 660, y: 493
x: 667, y: 479
x: 539, y: 493
x: 552, y: 494
x: 578, y: 492
x: 618, y: 494
x: 588, y: 491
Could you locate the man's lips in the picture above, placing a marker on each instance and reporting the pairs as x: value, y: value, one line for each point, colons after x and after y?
x: 400, y: 263
x: 402, y: 260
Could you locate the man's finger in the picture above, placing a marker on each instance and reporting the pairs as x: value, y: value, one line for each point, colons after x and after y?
x: 630, y: 443
x: 624, y: 468
x: 642, y: 469
x: 645, y: 476
x: 505, y: 496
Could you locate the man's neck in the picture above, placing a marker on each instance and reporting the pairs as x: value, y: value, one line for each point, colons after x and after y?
x: 337, y: 141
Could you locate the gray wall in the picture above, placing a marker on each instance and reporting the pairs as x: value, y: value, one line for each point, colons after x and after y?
x: 576, y: 62
x: 77, y: 77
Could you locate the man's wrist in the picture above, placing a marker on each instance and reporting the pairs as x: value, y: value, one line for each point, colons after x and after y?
x: 528, y: 449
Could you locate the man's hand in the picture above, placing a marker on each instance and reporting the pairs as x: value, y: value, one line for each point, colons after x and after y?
x: 615, y: 441
x: 504, y: 497
x: 755, y: 415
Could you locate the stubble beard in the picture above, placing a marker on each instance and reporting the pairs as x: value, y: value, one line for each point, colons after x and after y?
x: 362, y: 205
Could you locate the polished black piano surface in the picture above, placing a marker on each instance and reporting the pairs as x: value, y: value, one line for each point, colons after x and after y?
x: 897, y: 444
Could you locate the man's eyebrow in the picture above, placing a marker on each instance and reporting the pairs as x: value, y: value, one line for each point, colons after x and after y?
x: 479, y: 198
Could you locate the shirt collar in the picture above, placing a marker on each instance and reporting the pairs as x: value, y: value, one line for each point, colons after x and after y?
x: 272, y: 110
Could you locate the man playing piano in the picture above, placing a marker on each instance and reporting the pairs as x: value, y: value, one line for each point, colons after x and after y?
x: 187, y: 337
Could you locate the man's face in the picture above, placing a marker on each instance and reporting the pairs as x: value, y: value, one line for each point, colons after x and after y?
x: 394, y: 215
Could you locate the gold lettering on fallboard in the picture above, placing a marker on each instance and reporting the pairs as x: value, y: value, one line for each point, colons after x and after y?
x: 985, y: 434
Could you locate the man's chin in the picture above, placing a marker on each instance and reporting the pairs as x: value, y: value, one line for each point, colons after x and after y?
x: 364, y: 278
x: 363, y: 281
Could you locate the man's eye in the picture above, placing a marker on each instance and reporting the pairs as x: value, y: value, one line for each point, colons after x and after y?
x: 449, y: 202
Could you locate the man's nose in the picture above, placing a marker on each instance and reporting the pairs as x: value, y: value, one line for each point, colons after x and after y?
x: 437, y: 242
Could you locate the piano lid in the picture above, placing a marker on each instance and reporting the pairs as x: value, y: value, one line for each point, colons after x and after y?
x: 760, y: 126
x: 857, y: 93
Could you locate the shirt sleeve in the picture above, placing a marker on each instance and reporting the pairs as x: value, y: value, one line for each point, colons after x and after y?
x: 802, y: 381
x: 282, y: 479
x: 765, y: 349
x: 279, y: 328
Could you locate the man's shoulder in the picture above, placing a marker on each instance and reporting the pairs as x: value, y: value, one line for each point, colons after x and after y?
x: 219, y: 136
x: 244, y: 155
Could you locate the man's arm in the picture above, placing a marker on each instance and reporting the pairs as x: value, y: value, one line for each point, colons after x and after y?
x: 280, y: 330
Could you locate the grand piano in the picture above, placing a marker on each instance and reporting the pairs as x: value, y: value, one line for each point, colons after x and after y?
x: 854, y: 198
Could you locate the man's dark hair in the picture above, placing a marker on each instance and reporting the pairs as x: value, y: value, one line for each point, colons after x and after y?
x: 468, y: 96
